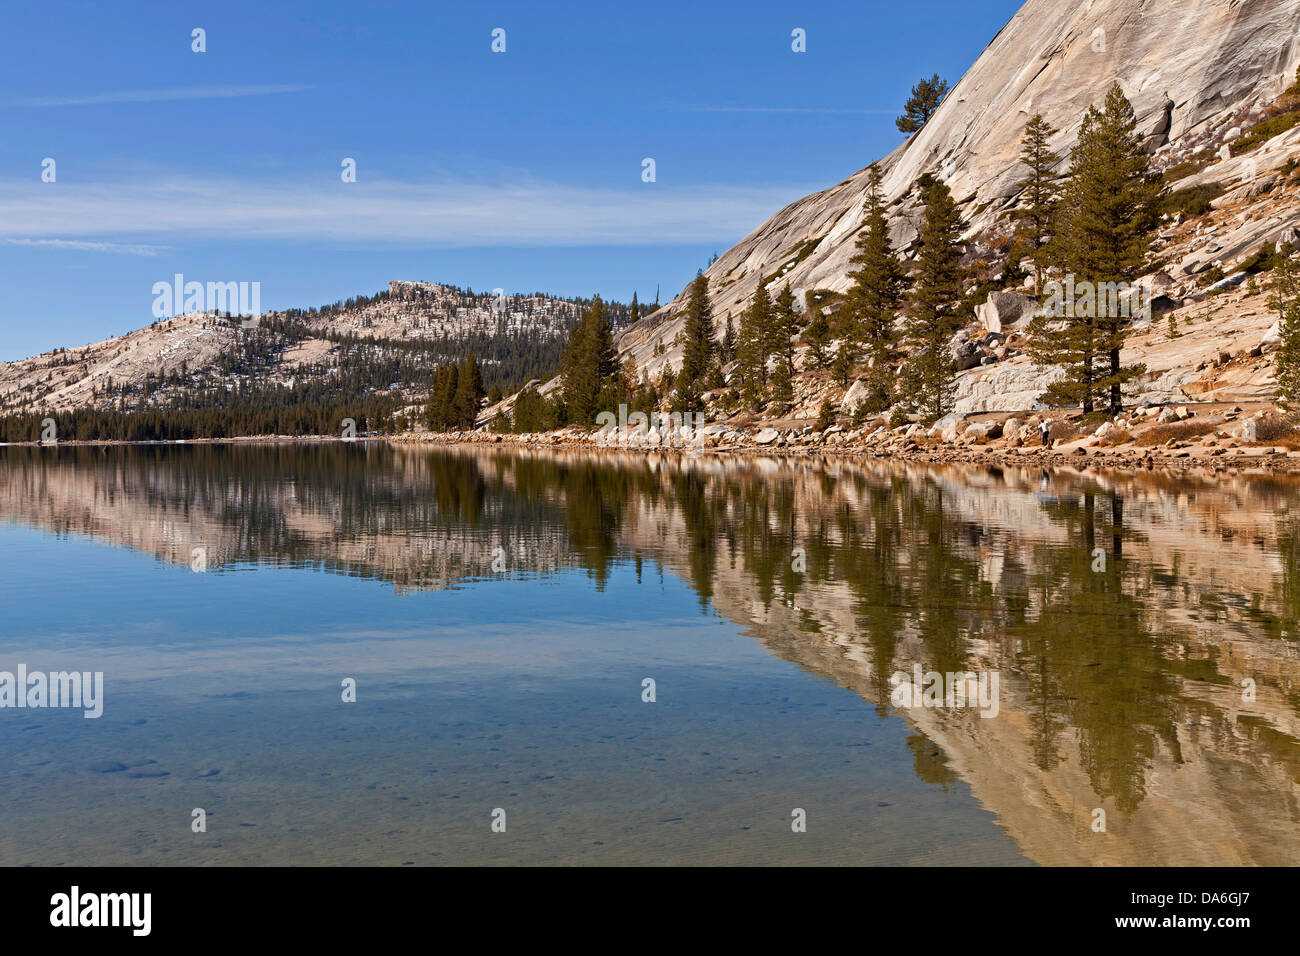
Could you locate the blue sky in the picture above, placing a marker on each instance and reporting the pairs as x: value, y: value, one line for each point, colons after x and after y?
x: 520, y: 170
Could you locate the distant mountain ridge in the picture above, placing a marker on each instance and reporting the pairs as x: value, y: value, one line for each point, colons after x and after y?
x: 385, y: 345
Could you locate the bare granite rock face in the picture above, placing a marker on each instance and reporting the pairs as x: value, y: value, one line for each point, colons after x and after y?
x: 1185, y: 65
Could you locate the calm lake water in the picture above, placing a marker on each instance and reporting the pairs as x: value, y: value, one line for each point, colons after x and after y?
x: 501, y: 611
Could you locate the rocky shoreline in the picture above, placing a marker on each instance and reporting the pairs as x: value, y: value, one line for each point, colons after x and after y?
x: 1227, y: 441
x: 1230, y: 440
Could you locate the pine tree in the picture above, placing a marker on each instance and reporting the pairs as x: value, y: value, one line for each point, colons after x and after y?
x: 817, y: 337
x: 468, y: 395
x: 937, y: 305
x: 876, y: 295
x: 845, y: 360
x: 1071, y: 343
x: 529, y: 414
x: 590, y: 365
x: 782, y: 386
x: 727, y: 350
x: 432, y: 412
x: 1039, y: 195
x: 1286, y: 300
x: 698, y: 347
x: 785, y: 325
x: 444, y: 399
x: 751, y: 347
x: 920, y: 106
x: 1102, y: 238
x: 785, y: 322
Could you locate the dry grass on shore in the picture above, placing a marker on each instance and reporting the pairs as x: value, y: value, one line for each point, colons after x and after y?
x: 1176, y: 431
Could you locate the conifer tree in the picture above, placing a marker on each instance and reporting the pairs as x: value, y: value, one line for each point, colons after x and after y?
x: 590, y: 365
x: 876, y: 294
x: 751, y: 347
x: 846, y: 357
x: 698, y: 347
x: 436, y: 390
x: 468, y: 394
x: 1102, y: 237
x: 817, y: 337
x: 1286, y: 301
x: 1039, y: 194
x: 782, y: 386
x: 555, y: 413
x: 529, y: 414
x: 920, y: 106
x: 727, y: 350
x: 785, y: 324
x: 936, y: 310
x: 444, y: 399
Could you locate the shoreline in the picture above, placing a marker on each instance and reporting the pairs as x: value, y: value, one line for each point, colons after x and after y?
x: 1263, y: 458
x: 1260, y: 457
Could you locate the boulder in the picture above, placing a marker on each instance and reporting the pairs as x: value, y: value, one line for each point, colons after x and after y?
x: 984, y: 431
x: 1231, y: 282
x: 1164, y: 304
x: 1158, y: 282
x: 1272, y: 338
x: 766, y: 436
x: 942, y: 425
x: 904, y: 232
x: 1006, y: 310
x: 965, y: 353
x: 853, y: 397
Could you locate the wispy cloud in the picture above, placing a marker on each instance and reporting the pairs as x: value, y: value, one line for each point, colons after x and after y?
x: 159, y: 96
x: 85, y: 245
x: 779, y: 109
x: 444, y: 213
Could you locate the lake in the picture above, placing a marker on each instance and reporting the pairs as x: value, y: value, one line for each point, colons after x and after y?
x: 357, y: 653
